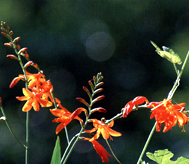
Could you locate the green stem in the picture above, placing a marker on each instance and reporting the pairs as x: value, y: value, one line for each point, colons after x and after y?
x: 112, y: 152
x: 66, y: 131
x: 9, y: 128
x: 27, y: 113
x: 147, y: 142
x: 70, y: 147
x: 27, y: 139
x: 176, y: 70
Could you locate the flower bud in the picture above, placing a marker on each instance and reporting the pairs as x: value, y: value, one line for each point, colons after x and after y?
x: 28, y: 64
x: 27, y: 56
x: 22, y: 50
x: 16, y: 39
x: 2, y: 118
x: 10, y: 33
x: 0, y: 101
x: 12, y: 57
x: 8, y: 44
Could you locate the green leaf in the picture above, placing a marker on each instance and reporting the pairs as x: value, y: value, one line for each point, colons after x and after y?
x: 56, y: 157
x: 167, y: 53
x: 182, y: 160
x: 161, y: 156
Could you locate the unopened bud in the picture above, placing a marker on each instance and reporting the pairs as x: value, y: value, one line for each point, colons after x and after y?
x: 103, y: 119
x: 16, y: 39
x: 27, y: 56
x: 2, y: 29
x: 22, y: 50
x: 8, y: 44
x: 2, y: 118
x: 0, y: 101
x: 10, y: 33
x: 28, y: 64
x: 12, y: 57
x: 98, y: 99
x: 4, y: 34
x: 18, y: 46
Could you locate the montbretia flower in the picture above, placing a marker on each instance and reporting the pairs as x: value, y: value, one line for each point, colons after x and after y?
x: 35, y: 80
x: 33, y: 100
x: 99, y: 149
x: 169, y: 114
x: 104, y: 129
x: 65, y: 117
x: 130, y: 105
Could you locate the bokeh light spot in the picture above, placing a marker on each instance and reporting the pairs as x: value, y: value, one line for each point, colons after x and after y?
x: 100, y: 46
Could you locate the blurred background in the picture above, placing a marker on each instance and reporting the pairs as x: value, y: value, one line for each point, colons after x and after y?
x: 74, y: 40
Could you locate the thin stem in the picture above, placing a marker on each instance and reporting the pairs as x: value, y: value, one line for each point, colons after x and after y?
x: 9, y: 128
x: 27, y: 113
x: 147, y: 142
x: 27, y: 139
x: 55, y: 105
x: 176, y: 70
x: 112, y: 152
x: 68, y: 148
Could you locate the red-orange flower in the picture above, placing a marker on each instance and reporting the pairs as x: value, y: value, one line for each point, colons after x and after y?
x: 35, y: 80
x: 135, y: 102
x: 169, y: 114
x: 104, y: 129
x: 100, y: 150
x: 33, y: 100
x: 65, y: 117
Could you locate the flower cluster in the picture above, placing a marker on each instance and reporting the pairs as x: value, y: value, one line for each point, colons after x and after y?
x: 38, y: 92
x: 169, y: 114
x: 164, y: 112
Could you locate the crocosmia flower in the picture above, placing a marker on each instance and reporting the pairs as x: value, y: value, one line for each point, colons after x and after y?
x: 169, y: 114
x: 104, y: 129
x: 130, y: 105
x: 99, y: 149
x: 65, y: 117
x: 33, y: 100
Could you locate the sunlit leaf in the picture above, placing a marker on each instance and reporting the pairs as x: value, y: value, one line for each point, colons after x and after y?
x: 168, y: 53
x: 161, y: 156
x: 164, y: 156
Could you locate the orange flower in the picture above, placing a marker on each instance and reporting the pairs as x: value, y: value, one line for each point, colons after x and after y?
x: 33, y: 100
x: 135, y: 102
x: 104, y: 129
x: 35, y: 80
x: 100, y: 150
x: 65, y: 117
x: 167, y: 113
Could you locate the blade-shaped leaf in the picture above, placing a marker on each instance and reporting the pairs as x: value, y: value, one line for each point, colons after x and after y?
x: 56, y: 157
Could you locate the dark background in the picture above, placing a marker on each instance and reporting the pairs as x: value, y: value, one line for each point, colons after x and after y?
x: 74, y: 40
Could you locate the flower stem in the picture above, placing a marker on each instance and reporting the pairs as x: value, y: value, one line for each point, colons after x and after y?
x: 9, y: 128
x: 147, y: 142
x: 55, y: 105
x: 27, y: 138
x: 27, y: 113
x: 112, y: 152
